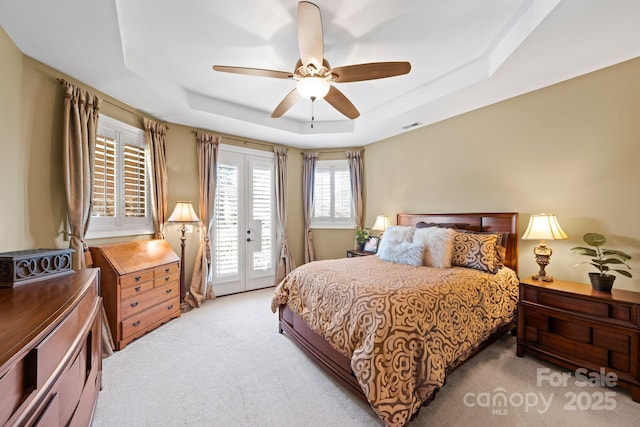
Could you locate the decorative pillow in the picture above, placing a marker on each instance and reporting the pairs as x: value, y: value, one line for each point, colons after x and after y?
x: 438, y: 243
x: 501, y: 243
x: 476, y: 250
x: 394, y: 235
x: 411, y: 253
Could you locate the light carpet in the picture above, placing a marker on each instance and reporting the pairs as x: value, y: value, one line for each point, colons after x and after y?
x: 226, y: 365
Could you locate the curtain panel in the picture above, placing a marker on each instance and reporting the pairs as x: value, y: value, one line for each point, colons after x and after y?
x: 79, y: 128
x: 308, y: 174
x: 155, y: 135
x: 356, y: 169
x: 286, y: 260
x: 202, y: 277
x: 79, y: 134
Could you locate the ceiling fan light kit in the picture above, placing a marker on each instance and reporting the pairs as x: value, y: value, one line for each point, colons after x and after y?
x: 313, y: 87
x: 313, y: 73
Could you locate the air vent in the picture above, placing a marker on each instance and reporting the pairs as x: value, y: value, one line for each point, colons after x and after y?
x: 411, y: 126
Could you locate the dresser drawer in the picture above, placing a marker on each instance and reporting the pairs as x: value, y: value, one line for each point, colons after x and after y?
x: 161, y: 281
x: 144, y: 320
x: 136, y: 290
x: 173, y: 268
x: 143, y: 301
x: 51, y: 351
x: 136, y: 278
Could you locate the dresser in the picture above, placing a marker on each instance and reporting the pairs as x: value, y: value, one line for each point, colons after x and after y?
x: 574, y: 326
x: 140, y: 286
x: 50, y: 351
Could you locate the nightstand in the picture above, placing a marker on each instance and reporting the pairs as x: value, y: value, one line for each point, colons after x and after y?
x: 356, y: 253
x: 574, y: 326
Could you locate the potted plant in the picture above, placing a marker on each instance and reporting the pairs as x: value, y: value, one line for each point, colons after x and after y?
x: 602, y: 259
x: 362, y: 235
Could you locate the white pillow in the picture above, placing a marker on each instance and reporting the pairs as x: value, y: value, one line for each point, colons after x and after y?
x: 411, y: 253
x: 438, y: 244
x: 394, y: 235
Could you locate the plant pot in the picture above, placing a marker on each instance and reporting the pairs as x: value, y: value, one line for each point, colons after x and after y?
x: 602, y: 282
x: 361, y: 246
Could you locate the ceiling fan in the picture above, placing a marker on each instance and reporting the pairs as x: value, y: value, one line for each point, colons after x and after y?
x: 313, y: 73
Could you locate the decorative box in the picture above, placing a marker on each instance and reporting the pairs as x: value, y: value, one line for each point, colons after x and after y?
x: 28, y: 266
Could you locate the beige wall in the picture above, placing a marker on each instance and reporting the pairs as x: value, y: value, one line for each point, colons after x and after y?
x: 572, y: 149
x: 12, y: 221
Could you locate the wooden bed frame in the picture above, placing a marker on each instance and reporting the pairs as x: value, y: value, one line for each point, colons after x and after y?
x: 337, y: 364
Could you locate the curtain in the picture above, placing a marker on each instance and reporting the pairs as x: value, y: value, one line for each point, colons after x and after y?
x: 155, y: 136
x: 286, y: 260
x: 79, y: 135
x: 79, y: 127
x: 356, y: 169
x: 202, y: 278
x: 308, y: 173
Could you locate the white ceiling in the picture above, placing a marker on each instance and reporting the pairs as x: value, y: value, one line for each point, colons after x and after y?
x: 156, y: 55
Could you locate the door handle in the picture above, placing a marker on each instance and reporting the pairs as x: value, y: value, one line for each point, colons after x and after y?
x: 249, y: 239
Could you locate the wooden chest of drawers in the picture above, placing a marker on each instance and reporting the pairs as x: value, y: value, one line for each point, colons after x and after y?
x: 50, y: 351
x: 140, y: 286
x: 574, y: 326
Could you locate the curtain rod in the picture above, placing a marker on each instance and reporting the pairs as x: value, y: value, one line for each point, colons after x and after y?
x: 134, y: 112
x: 244, y: 141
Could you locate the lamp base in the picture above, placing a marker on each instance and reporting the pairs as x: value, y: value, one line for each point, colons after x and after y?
x: 542, y: 278
x: 185, y: 307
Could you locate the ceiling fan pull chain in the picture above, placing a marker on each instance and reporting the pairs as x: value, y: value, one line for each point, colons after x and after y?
x: 313, y: 98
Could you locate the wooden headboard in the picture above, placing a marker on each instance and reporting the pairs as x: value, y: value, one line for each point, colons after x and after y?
x: 500, y: 222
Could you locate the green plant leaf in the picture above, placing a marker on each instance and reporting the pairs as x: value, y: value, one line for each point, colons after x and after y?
x: 580, y: 250
x: 594, y: 239
x: 611, y: 261
x: 624, y: 273
x: 619, y: 254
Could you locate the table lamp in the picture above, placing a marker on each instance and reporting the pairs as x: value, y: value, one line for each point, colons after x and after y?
x: 543, y: 227
x: 381, y: 224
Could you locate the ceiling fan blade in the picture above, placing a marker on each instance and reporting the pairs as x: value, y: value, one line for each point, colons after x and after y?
x: 254, y: 72
x: 369, y: 71
x: 341, y: 103
x: 286, y: 103
x: 310, y: 39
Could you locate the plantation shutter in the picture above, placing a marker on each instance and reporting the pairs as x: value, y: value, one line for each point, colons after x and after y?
x: 135, y: 189
x: 342, y: 194
x: 322, y: 193
x: 262, y: 214
x: 226, y: 220
x: 105, y: 178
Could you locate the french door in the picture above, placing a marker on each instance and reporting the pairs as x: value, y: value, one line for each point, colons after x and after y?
x: 244, y: 231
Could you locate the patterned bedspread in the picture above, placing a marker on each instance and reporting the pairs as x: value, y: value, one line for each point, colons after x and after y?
x: 403, y: 327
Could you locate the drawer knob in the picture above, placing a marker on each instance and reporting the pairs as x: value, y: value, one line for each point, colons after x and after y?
x: 136, y: 323
x: 169, y: 291
x: 137, y: 288
x: 166, y: 270
x: 134, y: 304
x: 170, y: 307
x: 138, y: 278
x: 166, y: 279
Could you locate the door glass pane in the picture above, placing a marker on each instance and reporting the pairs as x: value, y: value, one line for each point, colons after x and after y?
x: 262, y: 183
x: 226, y: 217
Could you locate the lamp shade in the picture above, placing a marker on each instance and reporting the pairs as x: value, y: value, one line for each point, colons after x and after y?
x: 183, y: 213
x: 544, y: 227
x: 381, y: 224
x: 316, y: 87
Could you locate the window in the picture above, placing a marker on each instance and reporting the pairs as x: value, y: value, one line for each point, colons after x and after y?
x: 332, y: 202
x: 120, y: 185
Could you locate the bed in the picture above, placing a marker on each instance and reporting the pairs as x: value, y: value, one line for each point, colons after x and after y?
x: 391, y: 329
